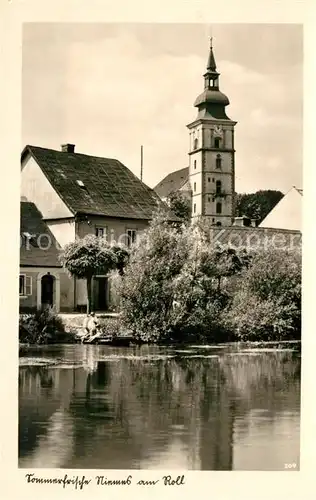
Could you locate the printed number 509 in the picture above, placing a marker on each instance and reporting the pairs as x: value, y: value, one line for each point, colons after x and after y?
x: 290, y: 466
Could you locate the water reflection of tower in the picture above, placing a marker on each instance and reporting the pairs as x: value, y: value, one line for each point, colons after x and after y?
x: 217, y: 416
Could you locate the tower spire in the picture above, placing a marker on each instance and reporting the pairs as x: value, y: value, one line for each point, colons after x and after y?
x: 211, y: 64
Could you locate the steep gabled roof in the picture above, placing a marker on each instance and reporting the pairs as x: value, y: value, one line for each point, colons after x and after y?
x: 172, y: 182
x: 96, y: 186
x: 38, y: 245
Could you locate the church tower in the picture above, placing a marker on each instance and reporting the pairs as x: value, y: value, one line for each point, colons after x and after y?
x: 212, y: 153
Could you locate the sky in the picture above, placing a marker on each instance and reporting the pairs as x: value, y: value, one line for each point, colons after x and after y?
x: 110, y: 88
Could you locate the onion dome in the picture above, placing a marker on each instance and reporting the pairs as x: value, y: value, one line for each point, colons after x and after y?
x: 212, y: 102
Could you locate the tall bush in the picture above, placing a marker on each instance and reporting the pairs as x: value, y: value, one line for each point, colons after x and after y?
x: 267, y: 298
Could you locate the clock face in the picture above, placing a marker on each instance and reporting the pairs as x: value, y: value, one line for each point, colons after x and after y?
x: 218, y: 130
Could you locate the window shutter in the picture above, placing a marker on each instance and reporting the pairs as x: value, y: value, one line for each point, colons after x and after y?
x: 21, y: 284
x: 28, y: 285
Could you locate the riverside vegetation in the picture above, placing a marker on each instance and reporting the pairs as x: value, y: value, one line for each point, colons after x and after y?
x: 175, y: 286
x: 178, y: 286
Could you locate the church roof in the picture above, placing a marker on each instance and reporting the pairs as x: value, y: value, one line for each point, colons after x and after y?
x: 95, y: 185
x: 172, y: 182
x: 38, y: 245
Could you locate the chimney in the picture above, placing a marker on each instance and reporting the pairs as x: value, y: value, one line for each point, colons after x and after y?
x: 242, y: 221
x: 68, y: 148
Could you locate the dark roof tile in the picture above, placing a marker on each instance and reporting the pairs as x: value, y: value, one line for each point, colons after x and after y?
x: 256, y: 238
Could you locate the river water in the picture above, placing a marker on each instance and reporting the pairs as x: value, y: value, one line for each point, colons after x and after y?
x: 194, y: 408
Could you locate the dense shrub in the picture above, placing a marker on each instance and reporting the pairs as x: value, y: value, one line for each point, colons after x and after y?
x: 266, y: 299
x: 43, y: 327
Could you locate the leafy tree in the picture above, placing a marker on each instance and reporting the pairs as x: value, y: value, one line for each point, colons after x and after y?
x: 170, y: 286
x: 122, y: 256
x: 180, y: 206
x: 86, y: 257
x: 257, y: 205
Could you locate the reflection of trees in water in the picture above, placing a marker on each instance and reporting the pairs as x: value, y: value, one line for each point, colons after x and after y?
x: 35, y: 386
x: 148, y: 403
x: 270, y: 380
x: 146, y: 400
x: 125, y: 410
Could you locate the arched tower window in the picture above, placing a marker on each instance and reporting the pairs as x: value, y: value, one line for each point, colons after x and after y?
x: 218, y: 208
x: 217, y: 142
x: 218, y: 187
x: 194, y: 164
x: 218, y: 161
x: 195, y: 143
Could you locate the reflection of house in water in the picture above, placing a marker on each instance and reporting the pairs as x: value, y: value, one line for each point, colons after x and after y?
x: 45, y: 428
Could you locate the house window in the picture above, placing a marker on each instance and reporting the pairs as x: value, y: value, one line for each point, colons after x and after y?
x: 25, y: 285
x: 195, y: 186
x: 195, y: 143
x: 218, y: 187
x: 101, y: 232
x: 217, y: 142
x: 131, y: 236
x: 194, y: 208
x: 194, y: 164
x: 218, y: 161
x: 218, y: 208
